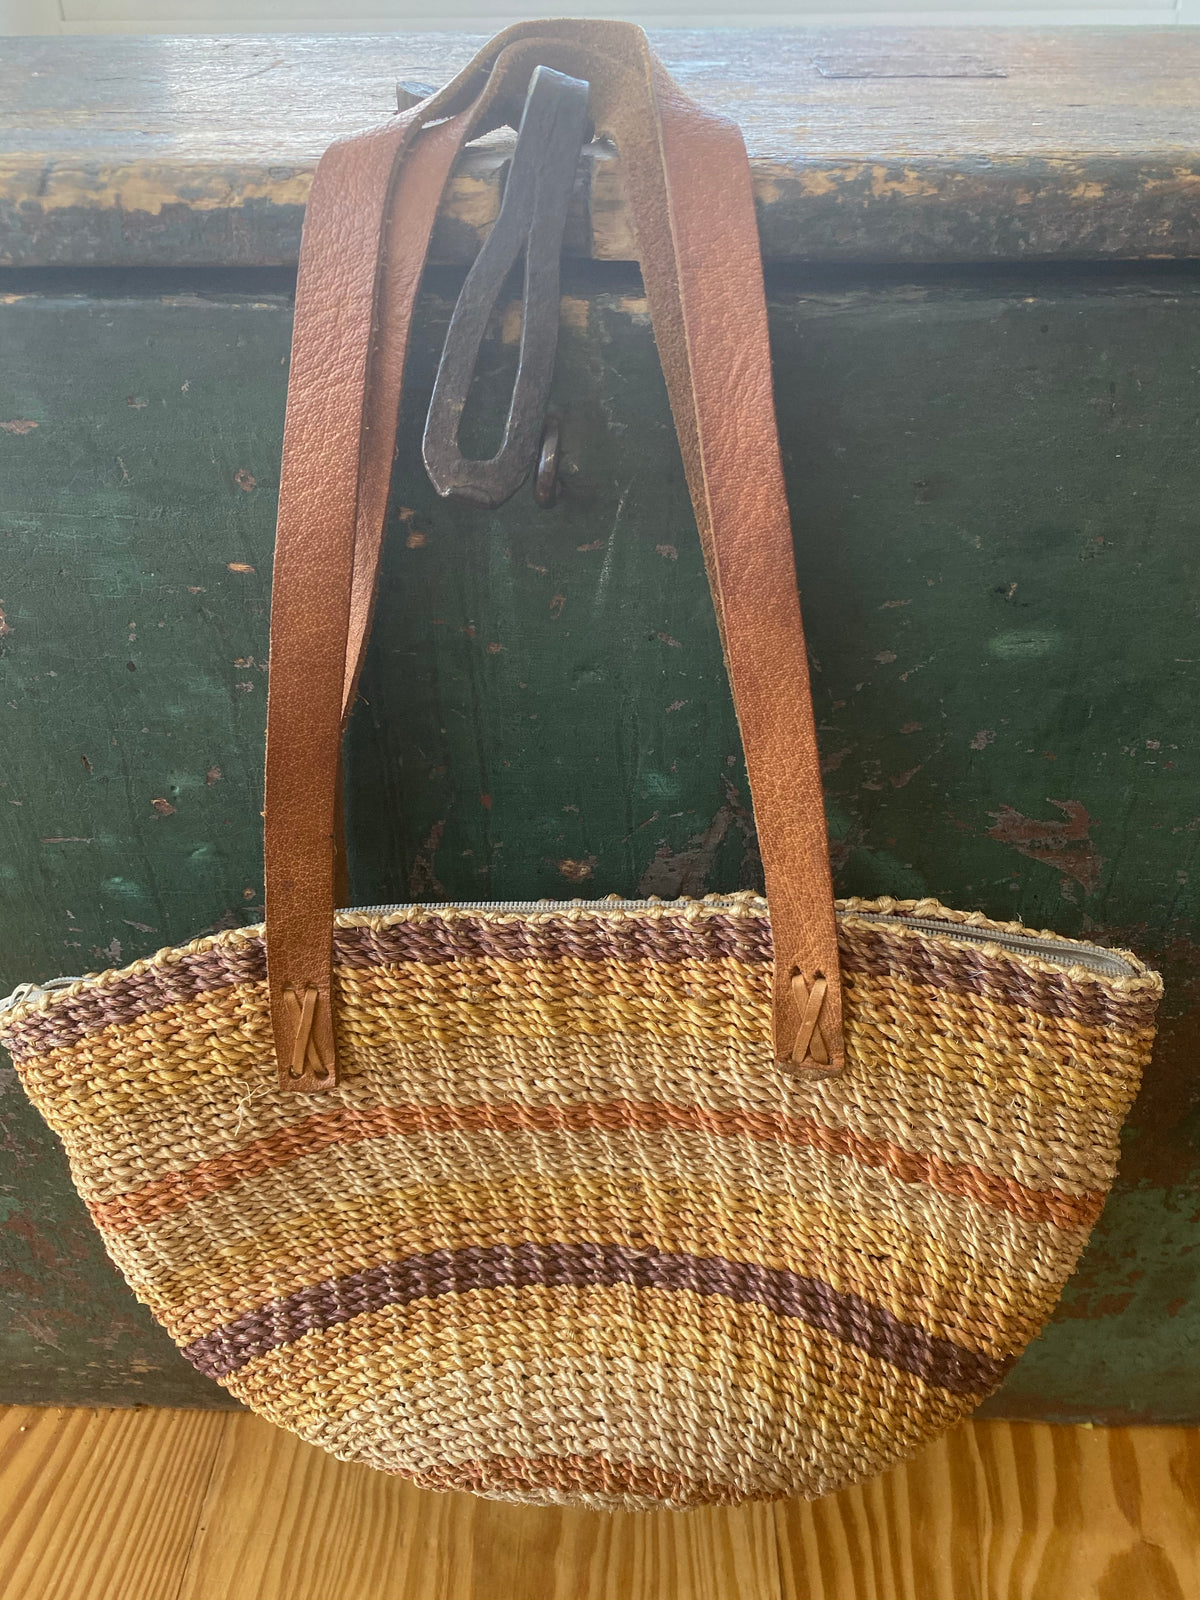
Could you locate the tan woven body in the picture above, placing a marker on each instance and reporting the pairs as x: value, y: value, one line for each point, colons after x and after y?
x: 564, y: 1231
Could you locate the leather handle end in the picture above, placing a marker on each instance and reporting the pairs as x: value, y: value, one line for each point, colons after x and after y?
x: 817, y: 1050
x: 304, y: 1041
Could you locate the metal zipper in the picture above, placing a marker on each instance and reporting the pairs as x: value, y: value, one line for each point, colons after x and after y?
x: 1059, y: 952
x: 33, y: 991
x: 611, y: 903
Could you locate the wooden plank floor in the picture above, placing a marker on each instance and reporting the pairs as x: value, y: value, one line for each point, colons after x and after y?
x: 190, y: 1505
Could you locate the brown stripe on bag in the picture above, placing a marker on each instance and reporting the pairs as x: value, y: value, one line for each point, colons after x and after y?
x: 880, y: 952
x: 428, y: 938
x: 153, y: 986
x: 592, y: 936
x: 846, y: 1316
x: 421, y: 939
x: 339, y: 1126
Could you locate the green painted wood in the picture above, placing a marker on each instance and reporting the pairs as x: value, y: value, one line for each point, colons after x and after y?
x: 140, y: 446
x: 885, y: 144
x: 994, y: 487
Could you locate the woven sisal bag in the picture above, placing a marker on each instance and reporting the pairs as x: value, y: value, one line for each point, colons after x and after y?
x: 615, y: 1203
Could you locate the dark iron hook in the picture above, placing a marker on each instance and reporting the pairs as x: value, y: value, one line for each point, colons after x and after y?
x: 532, y: 216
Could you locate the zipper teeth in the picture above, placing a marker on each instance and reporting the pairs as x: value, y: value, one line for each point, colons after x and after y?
x: 613, y: 903
x: 1059, y: 952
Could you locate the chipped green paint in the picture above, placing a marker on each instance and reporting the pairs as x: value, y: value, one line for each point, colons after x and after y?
x: 994, y: 488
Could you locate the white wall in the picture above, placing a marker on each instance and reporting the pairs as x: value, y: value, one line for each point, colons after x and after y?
x: 484, y: 16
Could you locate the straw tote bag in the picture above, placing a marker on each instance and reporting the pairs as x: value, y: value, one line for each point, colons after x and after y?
x: 616, y: 1203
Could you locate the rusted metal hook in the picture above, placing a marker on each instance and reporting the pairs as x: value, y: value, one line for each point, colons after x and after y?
x: 532, y: 216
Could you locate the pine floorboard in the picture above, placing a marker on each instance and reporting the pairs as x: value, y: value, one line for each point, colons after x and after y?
x: 193, y: 1505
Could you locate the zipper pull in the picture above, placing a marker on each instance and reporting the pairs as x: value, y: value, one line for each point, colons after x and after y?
x: 25, y: 992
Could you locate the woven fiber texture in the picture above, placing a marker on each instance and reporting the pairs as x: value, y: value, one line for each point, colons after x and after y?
x: 564, y: 1232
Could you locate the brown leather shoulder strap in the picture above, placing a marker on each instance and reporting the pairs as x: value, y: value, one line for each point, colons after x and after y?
x: 365, y: 240
x: 337, y: 454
